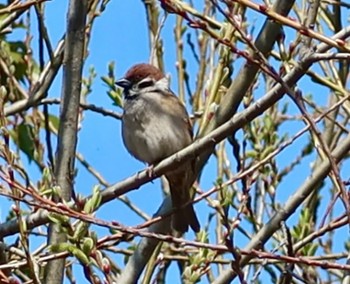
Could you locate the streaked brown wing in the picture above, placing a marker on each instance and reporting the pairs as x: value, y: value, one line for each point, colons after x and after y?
x: 178, y: 110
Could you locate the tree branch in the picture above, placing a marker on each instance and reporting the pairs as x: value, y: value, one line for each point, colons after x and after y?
x: 67, y: 134
x: 198, y: 147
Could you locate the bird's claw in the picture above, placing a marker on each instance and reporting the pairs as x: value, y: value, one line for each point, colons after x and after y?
x: 150, y: 171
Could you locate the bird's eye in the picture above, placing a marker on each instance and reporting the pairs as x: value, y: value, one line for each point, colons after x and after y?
x: 145, y: 84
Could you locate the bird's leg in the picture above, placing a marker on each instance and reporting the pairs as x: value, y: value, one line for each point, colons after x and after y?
x: 150, y: 170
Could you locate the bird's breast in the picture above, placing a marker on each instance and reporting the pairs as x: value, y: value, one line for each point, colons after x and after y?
x: 150, y: 134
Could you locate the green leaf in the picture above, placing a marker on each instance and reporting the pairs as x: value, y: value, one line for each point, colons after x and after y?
x: 80, y: 231
x: 80, y: 255
x: 116, y: 96
x: 61, y: 247
x: 55, y: 121
x: 58, y: 218
x: 114, y: 93
x: 16, y: 51
x: 25, y: 140
x: 88, y: 245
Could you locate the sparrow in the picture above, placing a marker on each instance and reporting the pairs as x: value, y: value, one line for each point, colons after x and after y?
x: 155, y: 125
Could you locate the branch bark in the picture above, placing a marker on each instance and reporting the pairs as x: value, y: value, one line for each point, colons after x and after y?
x: 145, y: 248
x: 42, y: 85
x: 288, y: 209
x: 67, y: 134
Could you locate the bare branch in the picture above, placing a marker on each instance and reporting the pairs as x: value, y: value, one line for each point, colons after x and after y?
x: 67, y: 135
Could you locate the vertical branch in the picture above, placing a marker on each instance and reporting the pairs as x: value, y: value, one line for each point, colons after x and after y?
x: 67, y: 134
x: 180, y: 64
x: 43, y: 37
x: 240, y: 85
x: 145, y: 248
x: 311, y: 16
x: 156, y: 46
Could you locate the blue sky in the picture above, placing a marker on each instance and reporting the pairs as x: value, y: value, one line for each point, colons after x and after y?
x: 120, y: 35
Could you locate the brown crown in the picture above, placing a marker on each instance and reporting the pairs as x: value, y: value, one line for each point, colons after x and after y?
x: 140, y: 71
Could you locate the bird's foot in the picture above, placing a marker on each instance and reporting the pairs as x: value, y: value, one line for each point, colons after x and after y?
x: 150, y: 171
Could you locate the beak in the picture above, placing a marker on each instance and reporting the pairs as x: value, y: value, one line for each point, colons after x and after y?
x: 124, y: 83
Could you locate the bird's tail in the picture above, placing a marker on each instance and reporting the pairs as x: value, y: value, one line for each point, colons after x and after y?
x: 184, y: 216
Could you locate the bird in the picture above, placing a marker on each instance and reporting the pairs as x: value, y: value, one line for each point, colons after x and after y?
x: 155, y: 125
